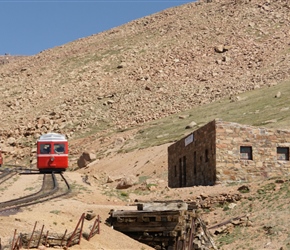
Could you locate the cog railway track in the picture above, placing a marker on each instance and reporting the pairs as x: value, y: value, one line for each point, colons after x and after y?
x: 6, y: 175
x: 50, y: 189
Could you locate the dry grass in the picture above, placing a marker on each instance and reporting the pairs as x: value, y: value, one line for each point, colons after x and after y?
x: 258, y: 108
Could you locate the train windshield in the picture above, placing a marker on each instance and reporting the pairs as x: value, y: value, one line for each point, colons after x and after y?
x: 59, y: 148
x: 45, y: 148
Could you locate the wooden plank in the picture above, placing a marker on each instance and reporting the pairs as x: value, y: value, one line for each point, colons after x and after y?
x: 148, y: 227
x: 151, y: 219
x: 161, y: 206
x: 156, y: 239
x: 130, y: 213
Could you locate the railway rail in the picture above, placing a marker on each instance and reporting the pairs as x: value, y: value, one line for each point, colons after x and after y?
x: 50, y: 189
x: 6, y: 174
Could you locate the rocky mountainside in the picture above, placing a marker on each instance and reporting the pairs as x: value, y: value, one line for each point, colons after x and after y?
x: 144, y: 70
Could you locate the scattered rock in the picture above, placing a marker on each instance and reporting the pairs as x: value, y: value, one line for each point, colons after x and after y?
x: 126, y: 182
x: 191, y: 125
x: 278, y: 95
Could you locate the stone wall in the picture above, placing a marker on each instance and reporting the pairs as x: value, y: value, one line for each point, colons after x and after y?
x: 191, y: 160
x: 228, y: 152
x: 263, y: 142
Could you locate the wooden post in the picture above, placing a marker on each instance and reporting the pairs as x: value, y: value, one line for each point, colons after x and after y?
x: 96, y: 225
x: 46, y: 236
x: 40, y: 236
x: 63, y: 238
x: 12, y: 244
x: 81, y: 220
x: 28, y: 246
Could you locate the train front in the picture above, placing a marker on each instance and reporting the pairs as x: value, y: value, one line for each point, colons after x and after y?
x: 52, y: 152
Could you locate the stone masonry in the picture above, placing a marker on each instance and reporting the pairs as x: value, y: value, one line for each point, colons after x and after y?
x: 228, y: 152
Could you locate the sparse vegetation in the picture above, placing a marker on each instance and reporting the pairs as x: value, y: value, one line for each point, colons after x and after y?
x: 143, y: 178
x: 122, y: 195
x: 151, y: 185
x: 29, y: 188
x: 77, y: 188
x: 55, y: 211
x: 230, y: 237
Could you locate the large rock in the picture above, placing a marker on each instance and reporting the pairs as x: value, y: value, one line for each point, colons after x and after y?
x: 85, y: 159
x: 126, y: 182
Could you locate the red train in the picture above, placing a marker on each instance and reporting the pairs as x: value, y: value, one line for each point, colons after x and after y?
x: 52, y: 152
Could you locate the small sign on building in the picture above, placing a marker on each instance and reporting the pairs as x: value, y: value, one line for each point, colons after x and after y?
x: 189, y: 139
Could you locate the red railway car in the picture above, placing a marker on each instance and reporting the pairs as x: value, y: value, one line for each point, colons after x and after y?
x: 52, y: 152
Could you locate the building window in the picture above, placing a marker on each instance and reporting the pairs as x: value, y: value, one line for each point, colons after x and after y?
x: 184, y: 163
x: 246, y: 153
x: 194, y: 162
x: 182, y: 171
x: 206, y: 155
x: 283, y: 153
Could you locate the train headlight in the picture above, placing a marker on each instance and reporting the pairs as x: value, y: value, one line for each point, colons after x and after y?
x: 52, y: 159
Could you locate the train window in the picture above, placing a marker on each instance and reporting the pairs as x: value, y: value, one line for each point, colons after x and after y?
x: 59, y: 148
x: 45, y: 148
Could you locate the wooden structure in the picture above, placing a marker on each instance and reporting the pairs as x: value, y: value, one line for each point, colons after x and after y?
x: 40, y: 238
x: 175, y: 229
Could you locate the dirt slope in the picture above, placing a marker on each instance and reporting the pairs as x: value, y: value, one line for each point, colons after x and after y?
x: 264, y: 209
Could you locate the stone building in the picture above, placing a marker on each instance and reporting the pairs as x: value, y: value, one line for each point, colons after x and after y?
x: 228, y: 152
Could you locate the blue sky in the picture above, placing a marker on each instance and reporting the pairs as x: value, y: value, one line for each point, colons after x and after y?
x: 30, y: 26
